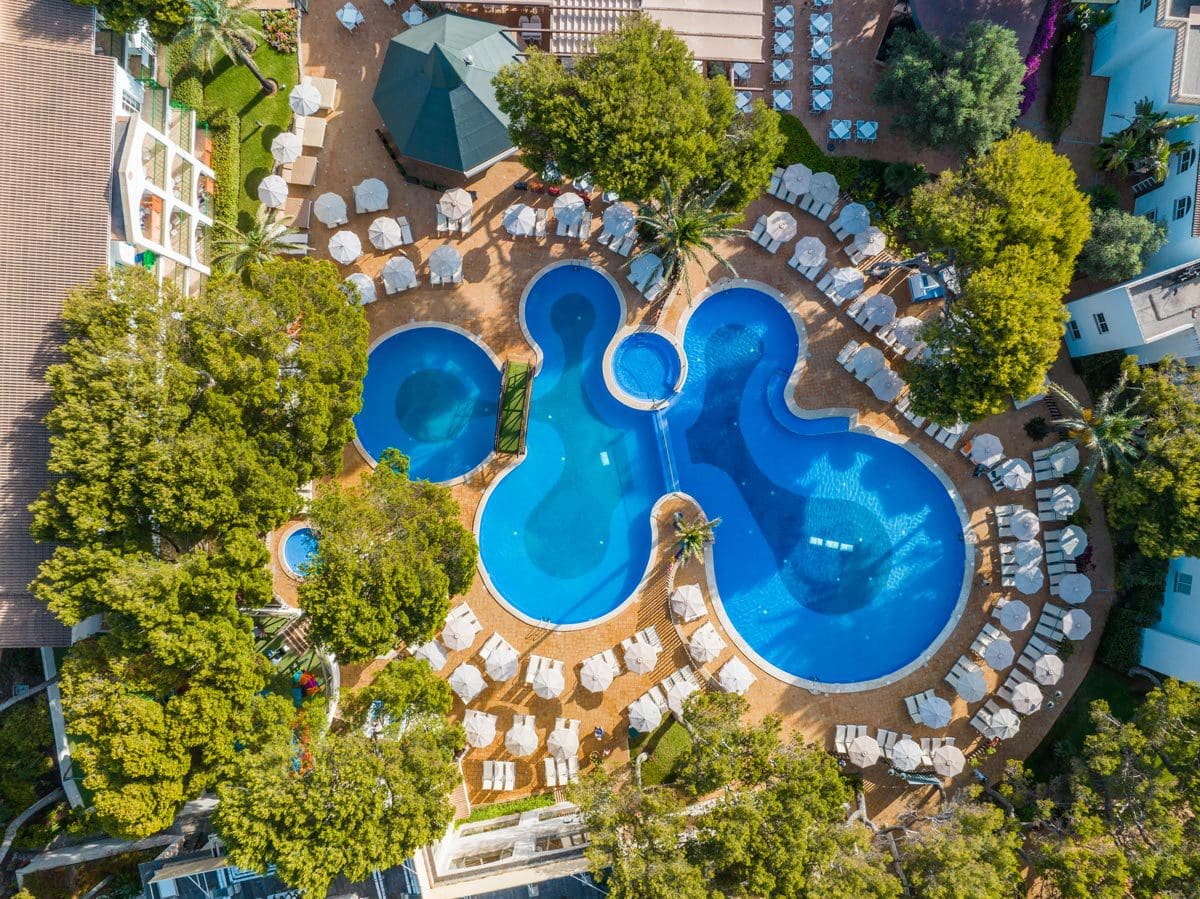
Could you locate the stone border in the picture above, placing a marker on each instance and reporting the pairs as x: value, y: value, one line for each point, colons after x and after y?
x: 906, y: 443
x: 610, y: 376
x: 281, y: 537
x: 654, y: 510
x: 475, y: 339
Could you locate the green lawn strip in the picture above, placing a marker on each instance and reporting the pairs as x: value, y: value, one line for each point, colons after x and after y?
x: 511, y: 807
x: 663, y: 747
x: 512, y: 407
x: 233, y: 87
x: 1074, y: 725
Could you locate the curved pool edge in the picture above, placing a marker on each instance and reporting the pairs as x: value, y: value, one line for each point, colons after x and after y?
x: 856, y: 426
x: 610, y: 376
x: 281, y: 538
x: 371, y: 461
x: 477, y: 523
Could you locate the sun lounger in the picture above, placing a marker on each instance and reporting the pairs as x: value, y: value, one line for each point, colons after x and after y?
x: 551, y: 772
x: 311, y: 131
x: 823, y: 212
x: 327, y: 88
x: 302, y: 172
x: 886, y: 739
x: 807, y: 203
x: 443, y: 223
x: 839, y: 232
x: 847, y: 352
x: 488, y: 775
x: 776, y: 185
x: 464, y: 224
x: 297, y: 213
x: 760, y: 228
x: 536, y: 663
x: 539, y: 223
x: 658, y: 697
x: 297, y: 242
x: 839, y: 739
x: 626, y: 246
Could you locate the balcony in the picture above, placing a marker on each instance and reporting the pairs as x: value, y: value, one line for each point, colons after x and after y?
x: 154, y: 106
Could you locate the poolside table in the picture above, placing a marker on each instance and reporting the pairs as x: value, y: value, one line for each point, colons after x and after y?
x: 822, y: 101
x: 782, y: 100
x: 785, y: 16
x: 781, y: 70
x: 822, y: 76
x: 820, y: 23
x: 742, y: 98
x: 839, y: 129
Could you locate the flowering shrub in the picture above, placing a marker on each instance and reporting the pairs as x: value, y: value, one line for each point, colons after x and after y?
x: 279, y: 28
x: 1043, y: 40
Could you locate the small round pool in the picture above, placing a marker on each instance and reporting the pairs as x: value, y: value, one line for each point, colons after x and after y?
x: 430, y: 392
x: 299, y: 548
x: 646, y: 366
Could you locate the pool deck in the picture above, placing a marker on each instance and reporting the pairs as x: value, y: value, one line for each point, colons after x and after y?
x: 497, y: 270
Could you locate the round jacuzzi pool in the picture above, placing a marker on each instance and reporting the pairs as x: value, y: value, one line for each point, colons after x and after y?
x: 299, y: 548
x: 646, y: 366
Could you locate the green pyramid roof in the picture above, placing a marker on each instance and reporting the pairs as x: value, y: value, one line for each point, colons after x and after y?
x: 435, y: 91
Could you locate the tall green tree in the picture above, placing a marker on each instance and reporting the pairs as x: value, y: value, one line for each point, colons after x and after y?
x: 1156, y: 503
x: 636, y: 112
x: 331, y: 805
x: 164, y: 18
x: 389, y: 557
x: 963, y: 94
x: 1120, y: 244
x: 28, y: 755
x: 261, y: 242
x: 693, y: 537
x: 971, y: 850
x: 218, y: 29
x: 1142, y: 147
x: 683, y: 230
x: 1021, y: 192
x: 636, y: 839
x: 1109, y: 431
x: 996, y: 342
x: 406, y: 693
x: 724, y: 751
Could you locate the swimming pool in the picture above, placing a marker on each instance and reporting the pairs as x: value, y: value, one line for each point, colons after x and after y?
x: 646, y: 366
x: 299, y: 547
x: 430, y: 392
x: 840, y: 558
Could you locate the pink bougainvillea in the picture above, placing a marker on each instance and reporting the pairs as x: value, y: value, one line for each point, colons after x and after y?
x: 1043, y: 40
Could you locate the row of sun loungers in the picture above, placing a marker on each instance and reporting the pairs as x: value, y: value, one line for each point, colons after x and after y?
x: 446, y: 225
x: 561, y: 772
x: 622, y: 246
x: 646, y: 635
x: 500, y: 776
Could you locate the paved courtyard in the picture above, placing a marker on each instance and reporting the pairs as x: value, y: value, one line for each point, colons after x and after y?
x: 496, y: 271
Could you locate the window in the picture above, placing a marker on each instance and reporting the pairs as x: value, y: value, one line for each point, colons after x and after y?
x: 1073, y: 329
x: 1183, y: 583
x: 1101, y: 322
x: 1185, y: 160
x: 1145, y: 5
x: 1151, y: 215
x: 1182, y: 207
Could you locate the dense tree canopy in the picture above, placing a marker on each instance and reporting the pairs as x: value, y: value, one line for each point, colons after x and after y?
x: 996, y: 342
x: 724, y: 750
x: 636, y: 112
x: 164, y: 18
x: 28, y: 754
x: 407, y: 690
x: 390, y: 555
x: 961, y: 94
x: 1120, y: 244
x: 1013, y: 222
x: 1157, y: 501
x: 971, y: 850
x: 181, y: 428
x: 337, y: 804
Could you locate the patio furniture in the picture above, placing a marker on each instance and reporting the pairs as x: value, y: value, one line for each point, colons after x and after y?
x: 345, y: 247
x: 782, y: 100
x: 706, y: 644
x: 742, y: 99
x: 521, y: 739
x: 822, y: 100
x: 839, y: 129
x: 820, y: 23
x: 785, y: 16
x: 480, y: 728
x: 311, y: 131
x: 350, y: 16
x: 822, y: 76
x: 302, y: 172
x: 783, y: 43
x: 445, y: 266
x: 866, y: 130
x: 781, y: 71
x: 297, y: 213
x: 414, y: 16
x: 272, y: 191
x: 327, y: 90
x: 740, y: 72
x: 822, y: 47
x: 398, y: 274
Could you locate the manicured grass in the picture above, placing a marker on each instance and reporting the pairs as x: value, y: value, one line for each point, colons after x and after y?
x: 664, y: 747
x: 233, y: 87
x: 1073, y: 725
x: 510, y: 429
x: 512, y: 807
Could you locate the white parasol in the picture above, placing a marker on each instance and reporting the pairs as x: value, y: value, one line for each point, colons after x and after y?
x: 503, y: 663
x: 521, y: 740
x: 878, y: 311
x: 548, y: 683
x: 824, y: 189
x: 688, y: 602
x: 1016, y: 474
x: 706, y: 645
x: 1064, y: 457
x: 345, y: 247
x: 365, y: 286
x: 644, y: 715
x: 1029, y: 580
x: 619, y: 220
x: 520, y: 220
x: 330, y: 209
x: 563, y: 743
x: 641, y: 657
x: 596, y: 675
x: 569, y: 208
x: 1065, y: 500
x: 273, y: 191
x: 907, y: 755
x: 971, y: 685
x: 1076, y: 624
x: 467, y: 682
x: 870, y: 242
x: 1048, y: 669
x: 810, y: 252
x: 999, y: 654
x: 854, y: 218
x: 1004, y: 724
x: 797, y: 179
x: 1075, y: 588
x: 867, y: 361
x: 1072, y: 540
x: 863, y: 751
x: 455, y: 203
x: 908, y: 331
x: 480, y: 729
x: 986, y: 449
x: 678, y: 694
x: 886, y: 384
x: 385, y: 233
x: 935, y: 712
x: 398, y: 273
x: 1027, y: 552
x: 459, y: 633
x: 1026, y: 698
x: 1015, y: 615
x: 370, y: 195
x: 735, y: 677
x: 1025, y: 524
x: 304, y: 99
x: 848, y: 282
x: 445, y: 262
x: 948, y: 760
x: 286, y: 147
x: 781, y: 225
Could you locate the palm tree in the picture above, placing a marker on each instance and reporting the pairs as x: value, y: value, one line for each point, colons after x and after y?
x: 220, y: 28
x: 1108, y: 431
x: 693, y: 537
x: 262, y: 241
x: 681, y: 227
x: 1142, y: 146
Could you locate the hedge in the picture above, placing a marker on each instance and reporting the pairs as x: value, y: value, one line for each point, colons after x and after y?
x: 799, y: 146
x: 1066, y: 80
x: 511, y: 807
x: 225, y: 133
x: 1141, y: 582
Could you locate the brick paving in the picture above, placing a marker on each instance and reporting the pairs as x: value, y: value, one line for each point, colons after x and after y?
x: 497, y: 270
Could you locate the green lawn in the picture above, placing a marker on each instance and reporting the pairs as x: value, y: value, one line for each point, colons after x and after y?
x: 664, y: 747
x: 511, y: 807
x: 511, y: 428
x: 232, y: 86
x: 1123, y: 696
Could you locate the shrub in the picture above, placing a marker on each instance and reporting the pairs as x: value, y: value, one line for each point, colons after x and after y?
x: 799, y: 146
x: 1066, y: 72
x: 1101, y: 196
x: 225, y: 133
x: 1043, y: 39
x: 1037, y: 429
x: 279, y: 28
x: 511, y: 807
x: 902, y: 178
x: 1139, y: 604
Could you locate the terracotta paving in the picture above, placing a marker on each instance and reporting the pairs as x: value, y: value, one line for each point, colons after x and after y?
x: 497, y: 269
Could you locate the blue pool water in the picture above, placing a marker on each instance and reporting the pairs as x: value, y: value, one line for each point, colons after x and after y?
x: 646, y: 366
x: 298, y: 550
x: 431, y: 393
x: 840, y: 556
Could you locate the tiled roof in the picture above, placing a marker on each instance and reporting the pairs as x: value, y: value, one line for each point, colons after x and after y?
x: 56, y: 102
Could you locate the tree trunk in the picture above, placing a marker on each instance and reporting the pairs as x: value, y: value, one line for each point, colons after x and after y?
x: 268, y: 86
